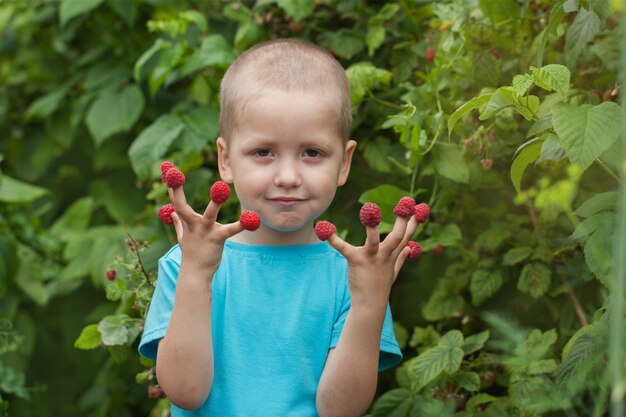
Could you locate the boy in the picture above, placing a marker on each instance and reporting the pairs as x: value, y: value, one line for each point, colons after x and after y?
x: 274, y: 322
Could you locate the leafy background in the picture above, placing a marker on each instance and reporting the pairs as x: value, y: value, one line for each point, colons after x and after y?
x: 500, y: 114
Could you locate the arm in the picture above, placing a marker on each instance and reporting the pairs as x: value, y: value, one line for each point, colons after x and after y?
x: 348, y: 382
x: 184, y: 364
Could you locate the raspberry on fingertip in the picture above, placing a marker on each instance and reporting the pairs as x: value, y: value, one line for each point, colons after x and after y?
x: 324, y: 230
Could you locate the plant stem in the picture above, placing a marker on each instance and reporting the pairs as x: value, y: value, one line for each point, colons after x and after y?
x: 383, y: 102
x: 136, y: 250
x: 577, y: 306
x: 608, y: 170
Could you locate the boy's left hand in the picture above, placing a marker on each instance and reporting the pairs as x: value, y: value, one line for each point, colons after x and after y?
x: 373, y: 267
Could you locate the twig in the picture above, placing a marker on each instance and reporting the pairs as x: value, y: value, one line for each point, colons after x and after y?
x: 136, y: 250
x: 577, y: 306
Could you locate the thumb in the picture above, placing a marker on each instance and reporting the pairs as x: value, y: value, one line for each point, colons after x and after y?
x: 178, y: 227
x: 341, y: 245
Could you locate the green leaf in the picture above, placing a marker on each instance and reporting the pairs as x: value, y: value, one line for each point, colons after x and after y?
x: 584, y: 355
x: 363, y: 77
x: 153, y: 143
x: 479, y: 399
x: 298, y: 9
x: 15, y: 191
x: 556, y: 17
x: 474, y: 342
x: 500, y: 10
x: 537, y: 344
x: 493, y: 237
x: 544, y: 366
x: 540, y: 126
x: 441, y: 305
x: 74, y: 219
x: 586, y: 132
x: 70, y: 9
x: 386, y: 196
x: 392, y: 400
x: 469, y: 381
x: 125, y: 9
x: 346, y: 43
x: 551, y: 150
x: 505, y: 97
x: 445, y: 357
x: 215, y: 51
x: 45, y: 105
x: 516, y: 255
x: 588, y: 226
x: 534, y: 279
x: 474, y: 103
x: 599, y: 255
x: 597, y: 203
x: 114, y: 112
x: 9, y: 262
x: 145, y: 62
x: 374, y: 37
x: 553, y: 77
x: 521, y: 83
x: 529, y: 153
x: 582, y: 31
x: 118, y: 330
x: 484, y: 284
x: 89, y: 338
x: 196, y: 18
x: 450, y: 163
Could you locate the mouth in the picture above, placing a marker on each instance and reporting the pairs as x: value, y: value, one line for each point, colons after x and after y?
x: 286, y: 200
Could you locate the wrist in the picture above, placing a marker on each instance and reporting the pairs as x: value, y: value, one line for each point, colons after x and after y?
x: 191, y: 271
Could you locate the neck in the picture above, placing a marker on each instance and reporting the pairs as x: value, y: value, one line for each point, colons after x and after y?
x: 266, y: 236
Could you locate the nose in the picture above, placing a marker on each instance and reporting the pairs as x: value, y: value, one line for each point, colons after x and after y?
x: 287, y: 174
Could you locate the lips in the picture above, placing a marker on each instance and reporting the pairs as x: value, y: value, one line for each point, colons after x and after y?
x: 286, y: 200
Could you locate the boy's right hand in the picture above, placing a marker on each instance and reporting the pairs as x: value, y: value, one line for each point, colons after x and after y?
x: 200, y: 237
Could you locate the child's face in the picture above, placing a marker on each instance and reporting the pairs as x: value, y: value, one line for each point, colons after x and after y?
x: 286, y: 160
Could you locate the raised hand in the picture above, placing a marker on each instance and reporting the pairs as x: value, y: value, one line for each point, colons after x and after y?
x: 374, y: 267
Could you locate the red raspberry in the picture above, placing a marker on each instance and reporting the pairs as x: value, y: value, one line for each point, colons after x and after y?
x: 220, y: 191
x: 174, y: 178
x: 166, y: 166
x: 438, y: 250
x: 250, y: 220
x: 111, y: 274
x: 405, y: 207
x: 324, y: 229
x: 416, y: 250
x: 155, y: 391
x: 422, y: 211
x: 431, y: 53
x: 165, y: 213
x: 370, y: 215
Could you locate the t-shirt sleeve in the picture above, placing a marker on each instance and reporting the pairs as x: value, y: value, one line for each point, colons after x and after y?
x: 160, y: 309
x: 390, y: 353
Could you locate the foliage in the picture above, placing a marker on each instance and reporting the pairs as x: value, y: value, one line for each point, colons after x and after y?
x: 508, y: 128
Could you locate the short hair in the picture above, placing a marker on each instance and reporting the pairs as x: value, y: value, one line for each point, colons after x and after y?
x: 287, y: 65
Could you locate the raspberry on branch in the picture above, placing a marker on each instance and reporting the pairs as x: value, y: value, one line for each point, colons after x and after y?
x: 220, y: 191
x: 111, y: 274
x: 165, y: 213
x: 174, y: 178
x: 250, y: 220
x: 324, y: 229
x: 405, y: 207
x: 370, y: 215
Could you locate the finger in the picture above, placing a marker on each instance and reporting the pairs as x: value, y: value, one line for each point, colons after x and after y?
x: 178, y: 227
x: 400, y: 261
x: 394, y: 238
x: 372, y: 242
x: 341, y: 245
x: 230, y: 229
x: 211, y: 211
x: 410, y: 230
x: 177, y: 196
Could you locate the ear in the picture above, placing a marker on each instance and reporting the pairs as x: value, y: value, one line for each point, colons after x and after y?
x: 223, y: 161
x: 346, y: 162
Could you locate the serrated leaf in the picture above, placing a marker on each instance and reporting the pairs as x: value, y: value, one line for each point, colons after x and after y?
x: 506, y: 97
x: 586, y: 132
x: 528, y: 154
x: 374, y: 37
x: 479, y: 399
x: 597, y: 203
x: 484, y: 284
x: 540, y: 126
x: 153, y: 143
x: 583, y: 30
x: 445, y: 357
x: 114, y: 112
x: 70, y: 9
x: 516, y: 255
x: 469, y: 381
x: 89, y: 338
x: 474, y: 342
x: 117, y: 330
x: 363, y: 77
x: 298, y: 9
x: 599, y: 255
x: 553, y: 77
x: 442, y: 305
x: 45, y: 105
x: 215, y: 51
x: 604, y: 221
x: 534, y: 279
x: 583, y: 357
x: 16, y: 191
x: 493, y: 237
x: 521, y: 83
x: 450, y: 163
x: 390, y: 401
x: 75, y: 218
x: 474, y: 103
x: 543, y: 366
x: 537, y: 344
x: 551, y: 149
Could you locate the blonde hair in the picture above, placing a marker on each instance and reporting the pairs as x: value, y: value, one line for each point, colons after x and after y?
x: 286, y: 65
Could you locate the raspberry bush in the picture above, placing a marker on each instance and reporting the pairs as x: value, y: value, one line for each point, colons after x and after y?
x: 502, y: 116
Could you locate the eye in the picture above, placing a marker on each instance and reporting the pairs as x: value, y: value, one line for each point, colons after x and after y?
x: 263, y: 153
x: 312, y: 153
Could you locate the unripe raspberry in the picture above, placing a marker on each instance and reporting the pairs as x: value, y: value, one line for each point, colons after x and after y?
x: 111, y: 274
x: 370, y: 215
x: 324, y: 230
x: 405, y: 207
x: 416, y: 250
x: 166, y: 166
x: 422, y: 211
x: 155, y: 391
x: 165, y: 213
x: 220, y: 191
x: 174, y: 178
x: 431, y: 53
x: 438, y: 250
x: 250, y: 220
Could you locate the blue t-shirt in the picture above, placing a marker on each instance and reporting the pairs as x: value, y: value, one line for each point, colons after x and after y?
x: 276, y: 312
